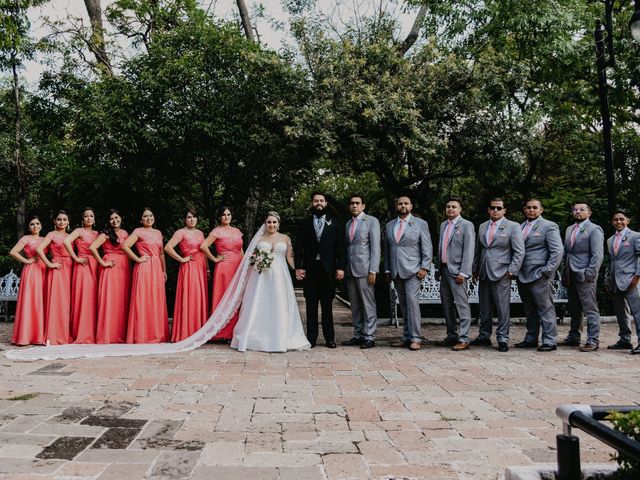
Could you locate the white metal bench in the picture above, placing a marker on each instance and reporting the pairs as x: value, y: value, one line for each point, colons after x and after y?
x: 9, y: 285
x: 430, y: 294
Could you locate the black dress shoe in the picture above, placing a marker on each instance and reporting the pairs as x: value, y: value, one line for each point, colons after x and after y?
x: 447, y: 342
x: 569, y: 343
x: 526, y: 345
x: 619, y: 345
x: 503, y: 347
x: 331, y: 344
x: 481, y: 342
x: 352, y: 342
x: 636, y: 351
x: 368, y: 344
x: 547, y: 348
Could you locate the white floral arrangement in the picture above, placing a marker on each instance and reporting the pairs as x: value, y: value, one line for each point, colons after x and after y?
x: 261, y: 259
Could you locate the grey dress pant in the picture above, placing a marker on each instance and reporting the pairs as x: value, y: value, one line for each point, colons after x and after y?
x: 363, y: 308
x: 495, y: 294
x: 627, y: 307
x: 454, y: 299
x: 408, y: 291
x: 537, y: 300
x: 583, y: 302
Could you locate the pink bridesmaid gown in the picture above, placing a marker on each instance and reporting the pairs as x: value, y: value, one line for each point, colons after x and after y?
x: 58, y: 293
x: 148, y: 319
x: 114, y: 288
x: 228, y: 242
x: 84, y: 291
x: 190, y: 309
x: 28, y: 328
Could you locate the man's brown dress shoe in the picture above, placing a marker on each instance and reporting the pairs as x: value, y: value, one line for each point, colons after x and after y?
x: 460, y: 347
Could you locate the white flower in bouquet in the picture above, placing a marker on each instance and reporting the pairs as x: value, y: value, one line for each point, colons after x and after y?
x: 261, y: 259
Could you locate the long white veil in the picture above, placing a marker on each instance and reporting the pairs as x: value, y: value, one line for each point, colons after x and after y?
x: 229, y: 303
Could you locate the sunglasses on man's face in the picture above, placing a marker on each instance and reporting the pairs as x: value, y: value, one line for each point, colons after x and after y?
x: 495, y: 208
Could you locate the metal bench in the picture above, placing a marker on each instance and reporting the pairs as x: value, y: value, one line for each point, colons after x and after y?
x: 430, y: 294
x: 9, y: 285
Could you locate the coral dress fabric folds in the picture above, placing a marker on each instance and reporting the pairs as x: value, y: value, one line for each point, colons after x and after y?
x: 190, y: 309
x: 58, y: 293
x: 84, y: 291
x: 229, y: 243
x: 148, y: 319
x: 114, y: 290
x: 28, y: 328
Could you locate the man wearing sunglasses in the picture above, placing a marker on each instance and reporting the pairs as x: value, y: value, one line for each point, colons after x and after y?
x: 583, y: 254
x: 498, y: 258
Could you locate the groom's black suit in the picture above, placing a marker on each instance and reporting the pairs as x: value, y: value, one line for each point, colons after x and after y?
x: 319, y: 283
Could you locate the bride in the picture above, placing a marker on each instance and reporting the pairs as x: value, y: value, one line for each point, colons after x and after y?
x: 269, y: 318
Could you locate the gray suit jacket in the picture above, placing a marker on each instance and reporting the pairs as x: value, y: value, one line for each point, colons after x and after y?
x: 543, y: 251
x: 505, y: 254
x: 363, y: 252
x: 626, y: 264
x: 584, y: 257
x: 411, y: 253
x: 461, y: 247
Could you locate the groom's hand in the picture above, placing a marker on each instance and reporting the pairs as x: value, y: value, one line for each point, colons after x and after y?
x: 339, y: 274
x: 300, y: 273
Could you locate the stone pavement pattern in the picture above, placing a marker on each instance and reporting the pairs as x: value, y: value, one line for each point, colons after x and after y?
x: 321, y: 414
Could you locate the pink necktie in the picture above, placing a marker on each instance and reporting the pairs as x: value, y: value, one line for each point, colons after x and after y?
x: 574, y: 233
x: 400, y: 230
x: 352, y: 230
x: 492, y: 231
x: 526, y: 230
x: 616, y: 243
x: 445, y: 241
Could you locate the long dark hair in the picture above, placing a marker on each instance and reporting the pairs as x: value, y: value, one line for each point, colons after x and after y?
x: 63, y: 212
x: 31, y: 218
x: 109, y: 231
x: 85, y: 209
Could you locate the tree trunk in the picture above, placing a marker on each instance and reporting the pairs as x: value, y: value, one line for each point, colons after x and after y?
x: 251, y: 214
x: 415, y: 30
x: 17, y: 151
x: 246, y: 20
x: 96, y: 42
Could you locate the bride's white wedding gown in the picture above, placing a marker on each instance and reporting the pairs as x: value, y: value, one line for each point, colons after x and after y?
x: 269, y: 319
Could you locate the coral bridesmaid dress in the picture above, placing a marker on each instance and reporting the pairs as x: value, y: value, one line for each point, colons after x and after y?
x: 148, y: 319
x: 228, y: 242
x: 114, y: 288
x: 190, y: 310
x: 58, y: 293
x: 84, y: 291
x: 28, y: 328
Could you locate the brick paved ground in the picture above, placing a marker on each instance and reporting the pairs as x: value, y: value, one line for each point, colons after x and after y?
x: 323, y: 414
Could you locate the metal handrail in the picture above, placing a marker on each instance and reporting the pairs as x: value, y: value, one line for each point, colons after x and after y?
x: 588, y: 419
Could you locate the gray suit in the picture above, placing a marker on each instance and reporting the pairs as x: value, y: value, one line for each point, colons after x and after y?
x: 582, y: 263
x: 460, y: 249
x: 624, y: 266
x: 543, y: 254
x: 403, y: 260
x: 363, y: 256
x: 491, y: 264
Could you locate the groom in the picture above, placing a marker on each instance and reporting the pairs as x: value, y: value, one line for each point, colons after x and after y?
x: 319, y: 258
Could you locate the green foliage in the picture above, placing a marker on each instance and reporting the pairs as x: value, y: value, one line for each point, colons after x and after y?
x: 629, y: 424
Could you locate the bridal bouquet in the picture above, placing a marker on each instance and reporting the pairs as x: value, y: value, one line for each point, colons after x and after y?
x: 261, y: 259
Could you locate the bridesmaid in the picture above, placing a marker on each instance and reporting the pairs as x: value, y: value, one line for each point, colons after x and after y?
x: 148, y: 320
x: 190, y: 309
x: 28, y: 328
x: 114, y: 284
x: 84, y: 286
x: 57, y: 304
x: 228, y: 243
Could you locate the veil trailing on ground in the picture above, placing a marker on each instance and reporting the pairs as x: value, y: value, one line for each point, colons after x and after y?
x: 229, y: 304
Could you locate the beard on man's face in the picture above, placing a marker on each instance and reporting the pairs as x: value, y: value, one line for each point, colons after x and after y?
x: 317, y: 210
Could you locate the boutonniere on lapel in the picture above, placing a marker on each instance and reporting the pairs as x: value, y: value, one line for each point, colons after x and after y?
x: 582, y: 229
x: 410, y: 223
x: 535, y: 227
x: 455, y: 227
x: 364, y: 219
x: 501, y: 227
x: 624, y: 238
x: 328, y: 222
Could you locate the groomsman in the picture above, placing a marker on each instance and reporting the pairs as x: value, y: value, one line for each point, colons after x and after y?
x: 543, y: 254
x: 319, y: 260
x: 362, y: 264
x: 407, y: 257
x: 457, y: 244
x: 498, y: 258
x: 622, y: 279
x: 583, y: 254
